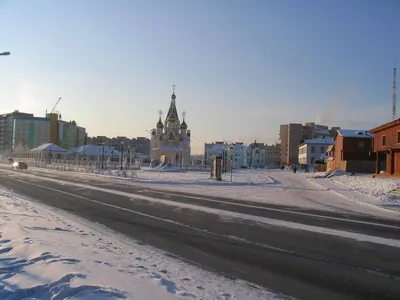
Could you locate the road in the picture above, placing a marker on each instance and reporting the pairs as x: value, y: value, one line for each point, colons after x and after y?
x: 295, y: 261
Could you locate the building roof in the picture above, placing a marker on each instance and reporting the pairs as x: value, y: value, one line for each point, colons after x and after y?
x: 172, y: 114
x: 386, y: 126
x: 328, y: 141
x: 49, y: 147
x: 331, y: 148
x: 352, y: 133
x: 170, y: 148
x: 94, y: 150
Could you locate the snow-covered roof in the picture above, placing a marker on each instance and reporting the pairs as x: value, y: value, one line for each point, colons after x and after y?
x: 328, y: 141
x: 94, y: 150
x: 352, y: 133
x: 218, y: 148
x: 49, y: 147
x: 169, y: 148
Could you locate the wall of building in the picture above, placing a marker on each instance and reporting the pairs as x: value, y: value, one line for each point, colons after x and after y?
x: 272, y: 155
x: 29, y: 133
x: 284, y: 138
x: 312, y: 152
x: 295, y: 137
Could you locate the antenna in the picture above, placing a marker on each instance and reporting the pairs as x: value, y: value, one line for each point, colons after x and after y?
x: 394, y: 92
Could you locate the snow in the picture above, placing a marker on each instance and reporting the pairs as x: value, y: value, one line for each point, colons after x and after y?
x: 51, y: 254
x: 362, y: 188
x: 49, y: 147
x: 352, y: 133
x: 328, y: 141
x: 94, y: 150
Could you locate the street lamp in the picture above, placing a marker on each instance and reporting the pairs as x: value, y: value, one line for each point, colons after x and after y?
x: 5, y: 53
x: 129, y: 157
x: 50, y: 155
x: 122, y: 155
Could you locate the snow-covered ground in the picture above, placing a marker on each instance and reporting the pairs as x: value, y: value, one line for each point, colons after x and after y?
x: 362, y: 188
x: 50, y: 254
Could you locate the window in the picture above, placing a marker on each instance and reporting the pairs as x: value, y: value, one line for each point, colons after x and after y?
x: 312, y: 149
x: 322, y: 149
x: 384, y: 140
x: 398, y: 136
x: 361, y: 144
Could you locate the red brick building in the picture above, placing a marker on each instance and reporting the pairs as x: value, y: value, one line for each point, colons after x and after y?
x: 387, y: 148
x: 352, y: 152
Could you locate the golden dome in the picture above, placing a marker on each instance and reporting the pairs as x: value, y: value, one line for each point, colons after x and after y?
x: 184, y: 125
x: 160, y: 124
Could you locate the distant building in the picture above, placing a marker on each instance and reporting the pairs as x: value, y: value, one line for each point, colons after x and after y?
x: 215, y: 148
x: 314, y: 150
x: 255, y: 155
x: 6, y: 130
x: 29, y: 133
x: 138, y: 145
x: 273, y: 155
x: 291, y: 136
x: 238, y: 152
x: 70, y: 135
x: 294, y: 134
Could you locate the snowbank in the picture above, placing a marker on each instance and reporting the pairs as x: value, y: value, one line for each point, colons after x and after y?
x: 47, y: 254
x: 86, y: 169
x: 374, y: 187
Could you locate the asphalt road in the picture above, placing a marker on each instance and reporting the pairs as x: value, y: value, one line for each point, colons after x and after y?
x: 299, y: 263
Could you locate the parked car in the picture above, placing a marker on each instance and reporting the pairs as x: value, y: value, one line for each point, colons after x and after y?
x: 20, y: 165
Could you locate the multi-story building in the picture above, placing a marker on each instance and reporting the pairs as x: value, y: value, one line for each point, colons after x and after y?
x: 293, y: 134
x: 29, y: 133
x: 314, y: 150
x: 290, y: 136
x: 273, y: 155
x: 6, y: 130
x: 70, y: 135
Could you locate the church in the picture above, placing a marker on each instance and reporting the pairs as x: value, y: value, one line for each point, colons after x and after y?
x: 170, y: 141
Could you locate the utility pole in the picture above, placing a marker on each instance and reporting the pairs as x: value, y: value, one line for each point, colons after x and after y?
x: 394, y: 93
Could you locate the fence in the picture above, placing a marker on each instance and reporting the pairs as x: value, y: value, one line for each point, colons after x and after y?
x: 92, y: 166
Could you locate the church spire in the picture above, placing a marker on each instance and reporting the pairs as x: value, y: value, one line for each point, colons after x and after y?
x: 172, y: 115
x: 183, y: 125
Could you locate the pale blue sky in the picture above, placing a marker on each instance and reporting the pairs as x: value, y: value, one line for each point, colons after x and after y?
x: 241, y: 68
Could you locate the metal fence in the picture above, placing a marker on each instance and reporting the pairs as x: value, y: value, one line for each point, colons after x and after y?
x: 91, y: 166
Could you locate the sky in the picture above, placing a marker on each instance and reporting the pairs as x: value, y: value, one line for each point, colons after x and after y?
x: 241, y: 68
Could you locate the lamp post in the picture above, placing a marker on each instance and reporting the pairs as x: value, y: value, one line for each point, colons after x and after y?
x: 129, y: 157
x: 181, y: 157
x: 5, y: 53
x: 50, y: 156
x: 102, y: 158
x: 122, y: 155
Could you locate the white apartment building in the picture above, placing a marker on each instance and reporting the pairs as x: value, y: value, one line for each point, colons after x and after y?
x: 29, y: 133
x: 314, y: 149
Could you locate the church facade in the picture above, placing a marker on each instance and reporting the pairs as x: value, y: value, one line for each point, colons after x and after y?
x: 170, y: 141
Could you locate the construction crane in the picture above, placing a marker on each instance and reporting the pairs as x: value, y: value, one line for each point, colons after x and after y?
x: 54, y: 107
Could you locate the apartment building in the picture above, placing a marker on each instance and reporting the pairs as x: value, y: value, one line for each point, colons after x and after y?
x: 29, y: 133
x: 294, y: 134
x: 6, y: 130
x: 290, y: 136
x: 70, y: 135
